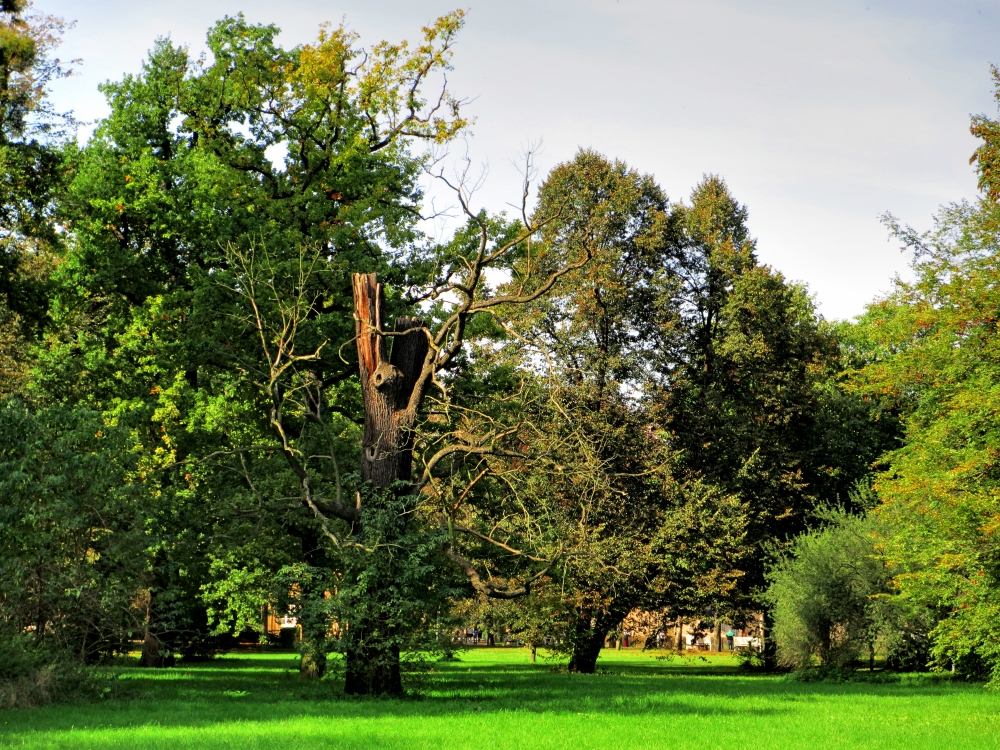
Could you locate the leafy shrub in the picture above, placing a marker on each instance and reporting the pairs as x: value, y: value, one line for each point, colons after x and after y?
x: 750, y: 660
x: 831, y: 596
x: 71, y: 531
x: 34, y: 676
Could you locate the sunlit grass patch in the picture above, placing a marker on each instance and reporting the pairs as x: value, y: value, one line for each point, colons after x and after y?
x: 496, y: 698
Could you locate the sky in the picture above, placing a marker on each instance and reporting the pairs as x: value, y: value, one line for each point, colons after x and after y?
x: 821, y: 115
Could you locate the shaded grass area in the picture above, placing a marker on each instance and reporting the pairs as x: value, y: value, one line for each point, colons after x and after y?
x: 494, y: 698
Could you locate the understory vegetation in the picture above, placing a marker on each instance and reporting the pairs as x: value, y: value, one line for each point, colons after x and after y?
x: 236, y: 387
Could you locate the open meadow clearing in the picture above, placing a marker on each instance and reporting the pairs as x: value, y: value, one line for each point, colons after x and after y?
x: 494, y: 698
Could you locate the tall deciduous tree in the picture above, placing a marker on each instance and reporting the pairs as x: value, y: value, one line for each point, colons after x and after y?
x: 987, y: 155
x: 750, y: 394
x: 594, y: 468
x: 69, y: 504
x: 932, y: 354
x: 147, y: 319
x: 32, y: 137
x: 389, y: 544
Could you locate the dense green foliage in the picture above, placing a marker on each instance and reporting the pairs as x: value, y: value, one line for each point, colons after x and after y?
x: 751, y: 401
x: 831, y: 597
x: 605, y: 405
x: 923, y: 357
x: 601, y: 468
x: 178, y: 216
x: 71, y: 527
x: 931, y: 352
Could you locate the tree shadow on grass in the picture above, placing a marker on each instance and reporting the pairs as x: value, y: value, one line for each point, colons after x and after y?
x: 247, y: 709
x: 255, y: 690
x: 276, y: 680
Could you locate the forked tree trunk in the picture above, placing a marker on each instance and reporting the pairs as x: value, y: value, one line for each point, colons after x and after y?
x: 387, y: 384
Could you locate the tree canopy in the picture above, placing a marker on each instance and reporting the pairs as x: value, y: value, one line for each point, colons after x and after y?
x: 236, y: 377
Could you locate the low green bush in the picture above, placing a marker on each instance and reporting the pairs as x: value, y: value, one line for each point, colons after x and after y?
x: 750, y: 660
x: 843, y: 674
x: 31, y: 675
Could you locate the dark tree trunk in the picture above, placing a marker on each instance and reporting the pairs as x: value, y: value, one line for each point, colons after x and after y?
x: 679, y: 635
x: 156, y: 649
x: 312, y: 665
x: 387, y: 386
x: 372, y: 665
x: 157, y: 643
x: 312, y: 643
x: 313, y: 628
x: 825, y: 642
x: 717, y: 635
x: 769, y: 647
x: 584, y: 659
x: 588, y: 638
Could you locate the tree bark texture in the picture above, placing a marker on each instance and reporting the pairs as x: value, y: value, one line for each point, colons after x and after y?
x: 312, y: 666
x: 588, y: 639
x: 155, y: 651
x: 387, y: 385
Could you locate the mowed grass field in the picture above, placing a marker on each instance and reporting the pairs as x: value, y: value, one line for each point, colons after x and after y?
x: 494, y: 698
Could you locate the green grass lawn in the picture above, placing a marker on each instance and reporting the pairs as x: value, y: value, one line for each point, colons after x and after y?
x: 494, y: 698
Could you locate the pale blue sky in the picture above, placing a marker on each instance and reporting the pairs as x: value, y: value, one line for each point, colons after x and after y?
x: 820, y: 114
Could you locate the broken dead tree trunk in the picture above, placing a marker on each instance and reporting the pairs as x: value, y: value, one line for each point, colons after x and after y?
x: 388, y: 385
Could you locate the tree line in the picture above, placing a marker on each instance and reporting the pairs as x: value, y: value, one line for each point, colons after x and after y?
x: 233, y: 381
